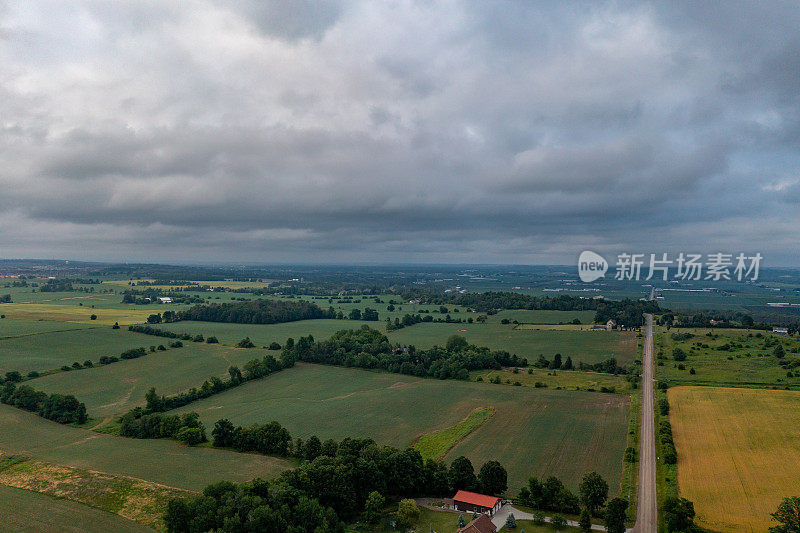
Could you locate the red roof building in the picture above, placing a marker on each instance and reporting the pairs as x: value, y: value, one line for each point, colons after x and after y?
x: 482, y: 524
x: 476, y: 503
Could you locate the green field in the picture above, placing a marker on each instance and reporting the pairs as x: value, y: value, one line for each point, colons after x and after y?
x: 544, y: 316
x: 751, y: 364
x: 116, y: 388
x: 72, y: 313
x: 160, y: 461
x: 17, y: 328
x: 585, y: 346
x: 555, y: 379
x: 533, y: 432
x: 51, y: 350
x: 26, y: 511
x: 264, y: 334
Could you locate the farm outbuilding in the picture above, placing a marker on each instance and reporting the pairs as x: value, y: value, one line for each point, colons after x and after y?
x: 482, y: 524
x: 476, y: 503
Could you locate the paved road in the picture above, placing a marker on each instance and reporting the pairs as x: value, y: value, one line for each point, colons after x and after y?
x: 646, y: 511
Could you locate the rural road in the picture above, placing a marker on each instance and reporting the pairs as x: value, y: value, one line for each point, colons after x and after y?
x: 646, y: 511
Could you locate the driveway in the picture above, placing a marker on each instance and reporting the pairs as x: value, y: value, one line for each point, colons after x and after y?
x: 500, y: 517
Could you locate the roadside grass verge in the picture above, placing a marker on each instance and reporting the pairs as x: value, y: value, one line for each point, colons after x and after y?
x: 630, y: 470
x: 436, y: 444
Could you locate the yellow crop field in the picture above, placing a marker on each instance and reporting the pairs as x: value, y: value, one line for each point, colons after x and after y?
x: 738, y: 453
x: 73, y: 313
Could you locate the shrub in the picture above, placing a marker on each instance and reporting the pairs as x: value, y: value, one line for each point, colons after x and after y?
x: 245, y: 343
x: 191, y: 436
x: 212, y: 340
x: 558, y: 522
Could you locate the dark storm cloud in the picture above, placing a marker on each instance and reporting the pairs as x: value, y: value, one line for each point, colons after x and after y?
x: 403, y: 131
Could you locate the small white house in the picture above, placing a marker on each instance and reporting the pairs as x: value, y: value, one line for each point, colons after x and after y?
x: 165, y: 300
x: 780, y: 331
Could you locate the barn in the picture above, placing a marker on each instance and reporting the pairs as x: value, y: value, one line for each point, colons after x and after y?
x: 476, y: 503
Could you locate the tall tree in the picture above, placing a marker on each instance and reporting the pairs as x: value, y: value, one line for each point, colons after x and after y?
x: 594, y: 491
x: 461, y: 474
x: 493, y: 478
x: 615, y: 515
x: 787, y: 516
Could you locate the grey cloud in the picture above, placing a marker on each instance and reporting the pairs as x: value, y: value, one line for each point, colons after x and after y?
x: 469, y: 132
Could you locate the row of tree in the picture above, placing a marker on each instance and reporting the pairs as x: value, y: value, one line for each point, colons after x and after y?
x: 61, y: 408
x: 253, y: 369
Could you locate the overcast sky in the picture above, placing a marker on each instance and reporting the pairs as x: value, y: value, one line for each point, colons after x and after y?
x: 458, y: 132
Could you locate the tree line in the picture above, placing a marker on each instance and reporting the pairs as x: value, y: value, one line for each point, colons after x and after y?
x: 61, y: 408
x: 256, y: 312
x: 369, y: 348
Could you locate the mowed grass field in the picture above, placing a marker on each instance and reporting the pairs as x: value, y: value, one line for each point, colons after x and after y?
x: 738, y: 453
x: 23, y: 510
x: 161, y: 461
x: 116, y: 388
x: 533, y: 432
x: 51, y: 350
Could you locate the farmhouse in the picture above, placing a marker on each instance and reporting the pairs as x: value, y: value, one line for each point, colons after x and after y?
x: 482, y: 524
x: 165, y: 300
x: 476, y: 503
x: 611, y: 324
x: 780, y: 331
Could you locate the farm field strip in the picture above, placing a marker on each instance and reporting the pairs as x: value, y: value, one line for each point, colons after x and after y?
x: 74, y: 313
x: 160, y: 461
x: 564, y: 379
x: 51, y: 350
x: 134, y: 499
x: 23, y: 510
x: 738, y: 452
x: 10, y: 328
x: 114, y: 389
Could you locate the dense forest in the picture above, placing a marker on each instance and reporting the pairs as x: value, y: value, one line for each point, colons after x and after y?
x: 335, y: 483
x: 256, y: 312
x: 369, y: 348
